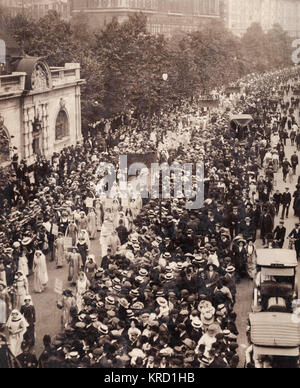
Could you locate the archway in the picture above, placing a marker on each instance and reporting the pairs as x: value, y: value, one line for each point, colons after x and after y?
x: 61, y: 125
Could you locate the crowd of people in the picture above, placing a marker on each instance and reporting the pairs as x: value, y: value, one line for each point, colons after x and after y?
x: 163, y: 293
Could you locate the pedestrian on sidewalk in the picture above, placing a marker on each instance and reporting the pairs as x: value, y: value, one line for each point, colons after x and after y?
x: 295, y: 235
x: 286, y: 202
x: 286, y: 165
x: 28, y: 311
x: 266, y: 225
x: 277, y: 197
x: 279, y: 234
x: 293, y: 134
x: 294, y: 162
x: 298, y: 140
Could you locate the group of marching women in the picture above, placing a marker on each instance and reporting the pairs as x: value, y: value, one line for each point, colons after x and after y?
x: 161, y: 289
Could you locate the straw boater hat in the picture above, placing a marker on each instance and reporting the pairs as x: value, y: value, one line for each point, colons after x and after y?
x: 169, y: 276
x: 230, y: 269
x: 162, y: 301
x: 143, y: 272
x: 137, y: 306
x: 124, y: 303
x: 196, y: 323
x: 117, y: 287
x: 110, y: 300
x: 103, y: 329
x: 26, y: 241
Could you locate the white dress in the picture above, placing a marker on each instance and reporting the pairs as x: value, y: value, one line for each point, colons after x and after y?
x: 82, y: 286
x: 23, y: 265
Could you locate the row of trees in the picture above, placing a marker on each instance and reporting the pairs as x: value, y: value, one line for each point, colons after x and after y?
x: 123, y: 64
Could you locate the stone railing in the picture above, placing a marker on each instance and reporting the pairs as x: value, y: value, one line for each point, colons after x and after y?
x: 12, y: 83
x: 64, y: 75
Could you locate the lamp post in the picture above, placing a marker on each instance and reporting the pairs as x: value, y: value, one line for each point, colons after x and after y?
x: 165, y: 78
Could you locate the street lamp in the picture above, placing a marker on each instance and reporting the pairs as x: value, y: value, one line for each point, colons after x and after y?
x: 165, y: 76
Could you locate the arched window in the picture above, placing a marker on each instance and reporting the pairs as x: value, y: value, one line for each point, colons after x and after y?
x: 61, y: 126
x: 4, y: 146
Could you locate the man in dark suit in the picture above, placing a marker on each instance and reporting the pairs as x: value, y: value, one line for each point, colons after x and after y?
x: 286, y: 200
x: 295, y: 162
x: 286, y: 165
x: 277, y: 197
x: 279, y: 234
x: 295, y: 234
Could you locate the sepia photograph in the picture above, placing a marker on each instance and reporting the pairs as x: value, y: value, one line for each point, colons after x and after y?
x: 149, y: 187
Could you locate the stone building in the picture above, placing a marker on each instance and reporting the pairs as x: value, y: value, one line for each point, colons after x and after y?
x: 40, y: 108
x: 37, y: 8
x: 163, y: 16
x: 240, y: 14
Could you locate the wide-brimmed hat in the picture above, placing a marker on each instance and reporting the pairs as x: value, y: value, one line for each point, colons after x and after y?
x: 204, y: 305
x: 207, y: 318
x: 103, y: 329
x: 162, y: 301
x: 137, y: 306
x: 124, y: 303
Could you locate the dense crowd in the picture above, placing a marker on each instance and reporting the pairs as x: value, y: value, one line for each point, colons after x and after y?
x: 164, y: 294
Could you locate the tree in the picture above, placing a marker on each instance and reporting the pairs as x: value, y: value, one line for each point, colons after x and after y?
x: 280, y: 47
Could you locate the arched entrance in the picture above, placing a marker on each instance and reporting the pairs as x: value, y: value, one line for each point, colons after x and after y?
x: 61, y: 125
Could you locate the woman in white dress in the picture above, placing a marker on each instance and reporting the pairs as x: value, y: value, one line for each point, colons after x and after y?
x: 92, y: 223
x: 99, y: 214
x: 21, y: 289
x: 82, y: 286
x: 105, y: 236
x: 23, y: 264
x: 17, y: 326
x: 251, y: 259
x: 40, y: 272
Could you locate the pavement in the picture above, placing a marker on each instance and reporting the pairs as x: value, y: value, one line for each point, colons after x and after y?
x: 244, y: 289
x: 48, y: 316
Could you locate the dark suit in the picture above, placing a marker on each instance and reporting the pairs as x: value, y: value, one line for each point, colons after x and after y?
x: 279, y: 234
x: 286, y: 200
x: 295, y: 234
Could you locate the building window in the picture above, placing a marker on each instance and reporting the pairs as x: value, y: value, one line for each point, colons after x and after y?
x: 61, y: 126
x: 4, y: 146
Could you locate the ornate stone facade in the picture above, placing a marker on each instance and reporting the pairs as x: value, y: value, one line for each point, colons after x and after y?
x: 33, y: 101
